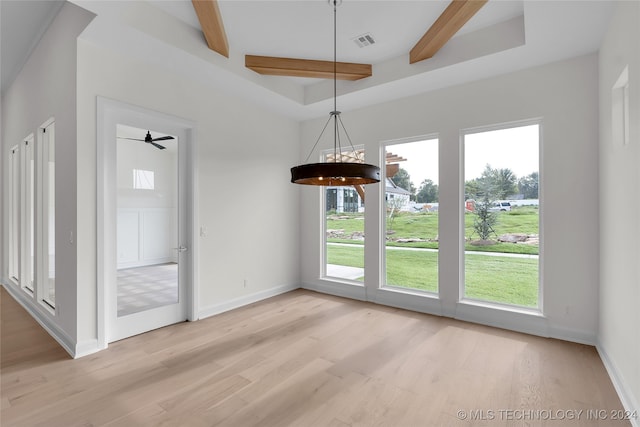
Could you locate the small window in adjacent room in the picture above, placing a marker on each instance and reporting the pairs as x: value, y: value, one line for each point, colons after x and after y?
x: 620, y: 109
x: 143, y: 180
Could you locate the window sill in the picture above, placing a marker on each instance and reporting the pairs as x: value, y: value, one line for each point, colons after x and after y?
x: 535, y: 312
x: 343, y: 281
x: 408, y: 291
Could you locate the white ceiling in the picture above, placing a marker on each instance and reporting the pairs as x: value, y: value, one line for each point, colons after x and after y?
x: 22, y: 24
x: 304, y: 29
x: 503, y: 36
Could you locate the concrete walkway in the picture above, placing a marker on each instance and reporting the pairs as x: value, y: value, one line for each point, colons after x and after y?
x: 344, y: 272
x: 397, y: 248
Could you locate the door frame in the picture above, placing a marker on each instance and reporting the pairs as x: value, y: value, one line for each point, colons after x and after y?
x: 109, y: 114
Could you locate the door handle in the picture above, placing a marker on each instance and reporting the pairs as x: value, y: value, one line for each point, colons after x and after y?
x: 181, y: 249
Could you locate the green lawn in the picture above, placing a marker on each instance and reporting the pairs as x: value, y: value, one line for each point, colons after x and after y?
x: 413, y: 269
x: 490, y: 278
x: 502, y: 279
x: 346, y: 255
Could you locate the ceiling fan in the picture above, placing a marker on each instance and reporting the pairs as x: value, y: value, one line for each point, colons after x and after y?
x: 151, y: 141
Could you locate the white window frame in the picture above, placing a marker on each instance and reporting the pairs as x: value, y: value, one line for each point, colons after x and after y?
x: 28, y: 204
x: 13, y: 268
x: 620, y: 109
x: 30, y: 191
x: 323, y: 226
x: 539, y: 310
x: 383, y: 217
x: 46, y: 196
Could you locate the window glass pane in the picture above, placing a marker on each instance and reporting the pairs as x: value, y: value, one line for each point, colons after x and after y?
x: 502, y: 216
x: 411, y: 215
x: 344, y: 226
x: 30, y: 241
x: 49, y: 216
x: 147, y: 222
x: 14, y: 214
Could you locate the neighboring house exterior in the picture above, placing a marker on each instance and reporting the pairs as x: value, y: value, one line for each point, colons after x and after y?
x: 343, y: 199
x: 396, y: 196
x: 346, y: 199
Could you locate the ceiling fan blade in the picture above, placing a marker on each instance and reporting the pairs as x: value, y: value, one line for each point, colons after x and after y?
x: 163, y: 138
x: 132, y: 139
x: 161, y: 147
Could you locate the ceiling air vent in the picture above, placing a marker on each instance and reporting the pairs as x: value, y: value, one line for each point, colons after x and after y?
x: 364, y: 40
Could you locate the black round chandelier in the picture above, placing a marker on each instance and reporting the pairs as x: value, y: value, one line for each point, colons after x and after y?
x: 337, y: 172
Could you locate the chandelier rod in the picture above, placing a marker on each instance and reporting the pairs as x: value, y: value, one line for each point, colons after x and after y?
x: 337, y: 149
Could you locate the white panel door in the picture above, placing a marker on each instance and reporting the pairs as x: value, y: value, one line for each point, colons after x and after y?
x: 148, y: 288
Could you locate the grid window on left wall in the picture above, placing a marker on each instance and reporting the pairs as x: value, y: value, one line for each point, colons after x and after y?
x: 31, y: 243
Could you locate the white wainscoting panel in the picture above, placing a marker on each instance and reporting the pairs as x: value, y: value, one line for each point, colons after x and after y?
x: 146, y: 236
x: 128, y: 236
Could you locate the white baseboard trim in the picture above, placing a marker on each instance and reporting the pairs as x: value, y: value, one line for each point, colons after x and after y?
x: 86, y: 348
x: 339, y: 289
x: 573, y: 335
x: 43, y: 319
x: 513, y: 319
x: 408, y: 301
x: 244, y: 300
x: 629, y: 401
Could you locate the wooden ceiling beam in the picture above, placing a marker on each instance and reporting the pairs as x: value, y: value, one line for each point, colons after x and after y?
x: 212, y: 26
x: 446, y: 26
x: 292, y: 67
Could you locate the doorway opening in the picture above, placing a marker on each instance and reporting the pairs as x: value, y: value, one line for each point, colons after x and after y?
x: 147, y: 220
x: 146, y: 217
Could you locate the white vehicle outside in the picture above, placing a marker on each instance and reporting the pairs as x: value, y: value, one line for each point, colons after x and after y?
x: 501, y: 206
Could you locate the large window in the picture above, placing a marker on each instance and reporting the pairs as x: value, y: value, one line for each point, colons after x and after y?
x: 344, y: 228
x: 410, y: 215
x: 501, y: 173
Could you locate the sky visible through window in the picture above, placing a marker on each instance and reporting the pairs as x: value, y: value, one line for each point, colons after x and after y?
x: 422, y: 159
x: 513, y: 148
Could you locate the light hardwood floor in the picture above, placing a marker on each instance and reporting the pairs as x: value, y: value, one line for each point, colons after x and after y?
x: 303, y: 359
x: 144, y: 288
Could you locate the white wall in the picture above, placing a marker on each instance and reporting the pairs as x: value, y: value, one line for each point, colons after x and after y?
x: 44, y: 88
x: 565, y: 96
x: 619, y: 329
x: 245, y: 200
